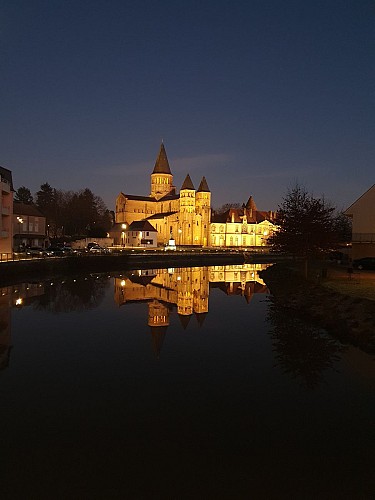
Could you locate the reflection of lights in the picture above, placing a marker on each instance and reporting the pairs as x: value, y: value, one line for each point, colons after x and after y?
x: 19, y: 302
x: 122, y: 283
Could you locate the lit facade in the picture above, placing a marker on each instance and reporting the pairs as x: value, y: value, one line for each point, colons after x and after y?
x: 185, y: 217
x: 242, y: 227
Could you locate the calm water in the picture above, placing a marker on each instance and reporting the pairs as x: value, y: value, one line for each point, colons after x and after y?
x: 179, y: 383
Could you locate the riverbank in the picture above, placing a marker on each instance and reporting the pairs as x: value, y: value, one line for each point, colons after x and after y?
x: 351, y: 319
x: 23, y: 270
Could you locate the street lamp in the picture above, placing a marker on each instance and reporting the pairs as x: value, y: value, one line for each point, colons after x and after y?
x: 123, y: 227
x: 20, y: 221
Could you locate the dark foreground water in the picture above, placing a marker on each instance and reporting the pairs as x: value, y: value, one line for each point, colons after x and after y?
x: 183, y: 383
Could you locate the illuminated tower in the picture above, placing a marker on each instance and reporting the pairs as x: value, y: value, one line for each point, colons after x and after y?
x: 187, y: 212
x: 203, y: 211
x: 161, y: 177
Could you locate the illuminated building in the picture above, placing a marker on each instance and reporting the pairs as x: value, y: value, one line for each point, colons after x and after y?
x: 184, y: 217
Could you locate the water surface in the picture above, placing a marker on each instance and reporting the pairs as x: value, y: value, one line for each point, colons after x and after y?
x: 178, y: 383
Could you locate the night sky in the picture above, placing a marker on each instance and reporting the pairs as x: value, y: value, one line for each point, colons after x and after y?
x: 255, y: 95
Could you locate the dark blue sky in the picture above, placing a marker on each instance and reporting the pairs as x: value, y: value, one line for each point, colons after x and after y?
x: 255, y: 95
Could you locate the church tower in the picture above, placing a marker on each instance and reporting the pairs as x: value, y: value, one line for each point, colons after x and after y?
x: 203, y: 210
x: 161, y: 177
x: 187, y: 212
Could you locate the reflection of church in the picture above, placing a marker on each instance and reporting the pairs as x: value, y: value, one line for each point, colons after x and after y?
x: 186, y: 289
x: 238, y: 280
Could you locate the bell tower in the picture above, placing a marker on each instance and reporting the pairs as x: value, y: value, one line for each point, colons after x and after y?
x: 203, y: 209
x: 161, y: 177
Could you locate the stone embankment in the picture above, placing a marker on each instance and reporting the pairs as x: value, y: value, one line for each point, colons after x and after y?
x: 350, y: 319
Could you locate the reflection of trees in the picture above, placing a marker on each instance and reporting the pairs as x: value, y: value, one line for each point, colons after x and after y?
x: 301, y: 349
x: 73, y: 295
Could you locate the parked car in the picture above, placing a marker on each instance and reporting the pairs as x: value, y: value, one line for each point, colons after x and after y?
x: 54, y: 251
x: 364, y: 263
x: 95, y: 248
x: 37, y: 251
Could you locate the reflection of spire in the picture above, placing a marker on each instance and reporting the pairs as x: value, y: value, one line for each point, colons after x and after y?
x: 200, y: 318
x: 184, y: 320
x: 158, y: 335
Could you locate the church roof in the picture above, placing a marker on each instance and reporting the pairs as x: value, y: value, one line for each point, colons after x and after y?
x: 140, y: 198
x: 161, y: 164
x: 253, y: 216
x: 203, y: 186
x: 187, y: 183
x: 170, y: 196
x: 160, y: 215
x: 141, y: 225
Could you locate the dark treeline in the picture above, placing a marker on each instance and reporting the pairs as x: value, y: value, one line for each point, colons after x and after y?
x: 69, y: 213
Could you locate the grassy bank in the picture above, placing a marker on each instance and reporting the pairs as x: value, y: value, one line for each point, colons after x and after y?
x: 350, y: 318
x: 360, y: 284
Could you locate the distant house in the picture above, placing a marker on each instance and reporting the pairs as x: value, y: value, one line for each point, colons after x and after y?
x: 137, y: 234
x: 141, y: 234
x: 242, y: 227
x: 362, y: 213
x: 29, y: 226
x: 6, y: 211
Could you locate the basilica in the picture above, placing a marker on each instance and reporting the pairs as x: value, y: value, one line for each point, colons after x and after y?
x: 184, y: 216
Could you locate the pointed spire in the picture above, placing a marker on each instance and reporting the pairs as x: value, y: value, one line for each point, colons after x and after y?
x: 251, y: 204
x: 161, y: 164
x: 203, y: 186
x: 187, y: 183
